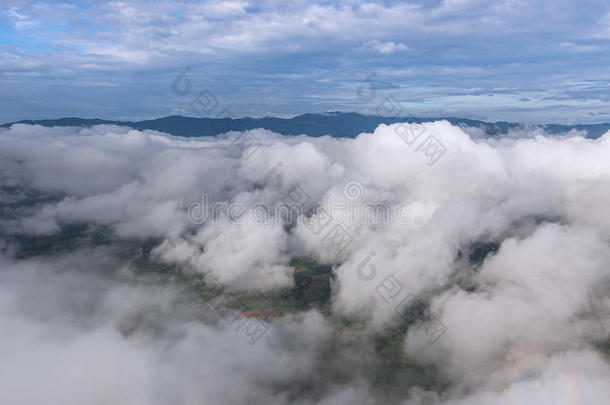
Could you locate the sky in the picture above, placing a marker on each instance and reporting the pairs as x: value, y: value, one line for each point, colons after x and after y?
x: 514, y: 60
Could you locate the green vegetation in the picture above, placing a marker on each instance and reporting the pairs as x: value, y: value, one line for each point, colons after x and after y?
x: 604, y: 347
x: 71, y: 237
x: 204, y: 299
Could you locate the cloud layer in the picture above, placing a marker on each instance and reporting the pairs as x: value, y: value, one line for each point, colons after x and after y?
x: 486, y: 258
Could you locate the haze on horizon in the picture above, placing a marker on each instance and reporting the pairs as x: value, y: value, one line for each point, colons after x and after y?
x: 490, y: 60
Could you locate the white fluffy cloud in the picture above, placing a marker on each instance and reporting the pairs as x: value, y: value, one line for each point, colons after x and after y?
x: 514, y: 320
x: 386, y: 48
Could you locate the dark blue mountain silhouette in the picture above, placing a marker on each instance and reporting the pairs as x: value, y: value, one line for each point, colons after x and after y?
x: 336, y: 124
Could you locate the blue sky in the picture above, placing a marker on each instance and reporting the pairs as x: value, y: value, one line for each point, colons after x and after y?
x: 516, y: 60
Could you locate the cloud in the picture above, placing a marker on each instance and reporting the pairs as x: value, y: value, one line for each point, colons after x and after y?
x: 580, y: 48
x: 21, y: 21
x: 602, y: 28
x: 95, y: 49
x: 489, y: 339
x: 483, y: 260
x: 386, y: 48
x: 85, y: 338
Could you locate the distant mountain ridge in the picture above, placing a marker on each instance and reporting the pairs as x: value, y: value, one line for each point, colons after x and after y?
x: 336, y: 124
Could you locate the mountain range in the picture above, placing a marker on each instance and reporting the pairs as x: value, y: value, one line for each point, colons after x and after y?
x: 336, y: 124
